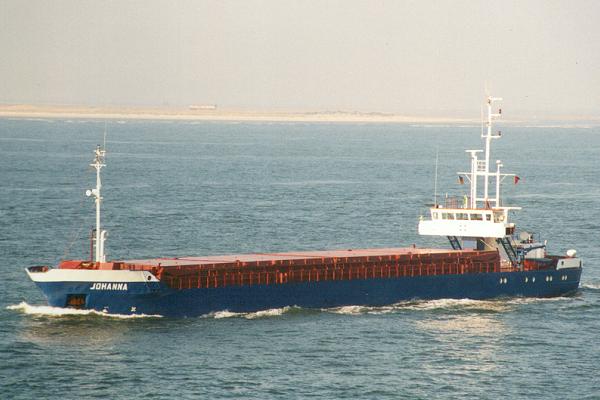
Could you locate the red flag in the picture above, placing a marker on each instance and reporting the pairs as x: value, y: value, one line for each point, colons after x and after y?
x: 461, y: 180
x: 517, y: 179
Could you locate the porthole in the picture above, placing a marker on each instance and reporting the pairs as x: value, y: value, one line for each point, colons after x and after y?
x: 533, y: 279
x: 526, y: 279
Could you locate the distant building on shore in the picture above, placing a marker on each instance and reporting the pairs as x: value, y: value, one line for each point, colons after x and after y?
x: 202, y: 107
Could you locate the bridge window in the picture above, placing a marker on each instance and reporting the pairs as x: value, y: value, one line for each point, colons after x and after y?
x: 488, y: 217
x: 476, y: 217
x: 462, y: 216
x: 447, y: 216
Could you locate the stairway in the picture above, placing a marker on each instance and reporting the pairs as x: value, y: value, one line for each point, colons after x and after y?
x: 454, y: 242
x: 508, y: 249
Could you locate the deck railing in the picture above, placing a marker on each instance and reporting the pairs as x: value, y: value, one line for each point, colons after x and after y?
x: 456, y: 202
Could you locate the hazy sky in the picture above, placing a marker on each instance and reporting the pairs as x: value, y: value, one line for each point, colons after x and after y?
x: 410, y: 57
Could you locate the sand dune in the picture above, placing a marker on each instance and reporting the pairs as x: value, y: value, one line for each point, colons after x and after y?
x: 195, y: 114
x: 29, y: 111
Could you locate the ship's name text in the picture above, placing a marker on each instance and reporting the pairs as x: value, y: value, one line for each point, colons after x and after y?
x: 108, y: 286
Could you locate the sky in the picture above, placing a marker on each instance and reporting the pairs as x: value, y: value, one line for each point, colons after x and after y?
x: 407, y: 57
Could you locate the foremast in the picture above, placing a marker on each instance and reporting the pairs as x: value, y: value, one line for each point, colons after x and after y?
x: 99, y: 235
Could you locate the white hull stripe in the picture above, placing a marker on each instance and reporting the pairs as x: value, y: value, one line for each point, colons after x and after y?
x: 91, y: 275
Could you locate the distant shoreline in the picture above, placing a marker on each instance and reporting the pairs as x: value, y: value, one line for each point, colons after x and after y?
x: 28, y: 111
x: 216, y: 115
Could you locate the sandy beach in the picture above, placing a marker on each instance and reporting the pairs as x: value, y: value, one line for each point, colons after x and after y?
x: 214, y: 114
x: 30, y: 111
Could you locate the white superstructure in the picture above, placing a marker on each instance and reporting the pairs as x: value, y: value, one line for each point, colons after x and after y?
x: 478, y: 220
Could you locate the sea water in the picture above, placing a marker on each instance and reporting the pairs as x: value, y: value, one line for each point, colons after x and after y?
x: 201, y: 188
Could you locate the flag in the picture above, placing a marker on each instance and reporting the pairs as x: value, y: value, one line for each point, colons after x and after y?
x: 461, y: 180
x: 517, y: 179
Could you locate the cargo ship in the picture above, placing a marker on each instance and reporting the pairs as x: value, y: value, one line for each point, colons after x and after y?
x: 486, y: 259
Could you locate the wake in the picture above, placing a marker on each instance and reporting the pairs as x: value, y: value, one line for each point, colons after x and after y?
x: 48, y: 311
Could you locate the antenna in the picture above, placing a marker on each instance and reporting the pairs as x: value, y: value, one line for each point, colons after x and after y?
x: 437, y: 152
x: 104, y: 144
x: 481, y: 119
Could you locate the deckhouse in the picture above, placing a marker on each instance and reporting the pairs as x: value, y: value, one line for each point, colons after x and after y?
x: 479, y: 220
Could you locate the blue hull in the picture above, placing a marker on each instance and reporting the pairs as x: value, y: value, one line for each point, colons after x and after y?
x: 156, y: 298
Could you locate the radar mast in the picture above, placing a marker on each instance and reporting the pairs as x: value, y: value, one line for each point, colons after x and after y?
x: 100, y: 235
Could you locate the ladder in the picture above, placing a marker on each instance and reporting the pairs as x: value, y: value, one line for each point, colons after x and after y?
x: 454, y: 242
x: 508, y: 249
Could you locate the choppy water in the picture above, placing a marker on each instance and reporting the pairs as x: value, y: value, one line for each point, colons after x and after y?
x: 208, y: 188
